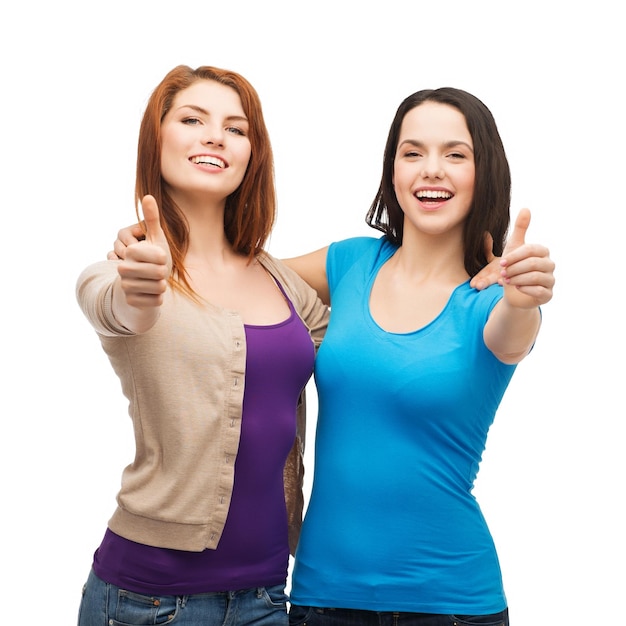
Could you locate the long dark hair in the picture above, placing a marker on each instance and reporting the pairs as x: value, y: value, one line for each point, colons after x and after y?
x: 489, y: 212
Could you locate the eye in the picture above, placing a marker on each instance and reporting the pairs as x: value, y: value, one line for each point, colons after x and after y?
x: 236, y: 131
x: 457, y: 156
x: 191, y: 121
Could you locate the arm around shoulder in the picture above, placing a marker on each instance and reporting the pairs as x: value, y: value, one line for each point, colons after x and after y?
x: 312, y: 269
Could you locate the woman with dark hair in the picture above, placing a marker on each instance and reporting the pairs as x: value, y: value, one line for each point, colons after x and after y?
x: 213, y: 341
x: 410, y: 374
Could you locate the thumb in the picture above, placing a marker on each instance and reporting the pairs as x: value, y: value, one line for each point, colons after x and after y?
x: 150, y: 210
x: 518, y: 236
x: 154, y: 232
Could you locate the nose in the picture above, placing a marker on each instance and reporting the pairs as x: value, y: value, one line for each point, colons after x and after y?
x: 432, y: 168
x: 213, y: 135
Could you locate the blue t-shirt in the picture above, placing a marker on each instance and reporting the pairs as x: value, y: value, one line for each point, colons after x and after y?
x: 392, y: 524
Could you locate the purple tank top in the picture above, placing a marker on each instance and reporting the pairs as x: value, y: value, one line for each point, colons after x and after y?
x: 253, y: 550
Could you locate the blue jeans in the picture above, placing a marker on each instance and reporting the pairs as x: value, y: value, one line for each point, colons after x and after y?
x: 316, y: 616
x: 103, y: 604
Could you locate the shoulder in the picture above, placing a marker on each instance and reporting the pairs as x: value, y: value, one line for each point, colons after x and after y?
x: 310, y: 308
x: 290, y: 280
x: 483, y: 300
x: 348, y: 251
x: 358, y: 245
x: 278, y: 269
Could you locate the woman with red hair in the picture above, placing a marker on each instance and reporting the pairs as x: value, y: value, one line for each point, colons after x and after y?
x: 213, y: 341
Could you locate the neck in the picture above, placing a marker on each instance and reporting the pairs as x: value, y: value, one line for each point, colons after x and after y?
x: 422, y: 256
x: 205, y: 220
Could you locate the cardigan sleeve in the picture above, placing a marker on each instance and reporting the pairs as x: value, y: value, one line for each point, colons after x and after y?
x: 94, y: 291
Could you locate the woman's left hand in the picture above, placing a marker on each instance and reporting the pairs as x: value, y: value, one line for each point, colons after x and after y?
x: 527, y: 271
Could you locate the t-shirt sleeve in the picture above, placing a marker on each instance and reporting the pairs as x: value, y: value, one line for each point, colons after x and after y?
x: 343, y: 254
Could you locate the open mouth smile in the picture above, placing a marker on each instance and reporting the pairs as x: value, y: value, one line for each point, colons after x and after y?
x: 431, y: 195
x: 203, y: 159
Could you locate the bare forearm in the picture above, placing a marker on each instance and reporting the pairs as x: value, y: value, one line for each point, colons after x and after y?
x: 511, y: 331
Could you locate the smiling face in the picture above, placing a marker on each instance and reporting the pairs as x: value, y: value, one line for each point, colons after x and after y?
x: 205, y: 149
x: 434, y: 168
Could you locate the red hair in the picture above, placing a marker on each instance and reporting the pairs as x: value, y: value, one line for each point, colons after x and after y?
x: 250, y: 210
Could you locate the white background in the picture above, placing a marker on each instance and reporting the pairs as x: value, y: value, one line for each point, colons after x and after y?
x: 75, y: 79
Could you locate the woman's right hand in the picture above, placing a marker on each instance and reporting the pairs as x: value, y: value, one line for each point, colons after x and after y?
x: 143, y: 272
x: 126, y: 237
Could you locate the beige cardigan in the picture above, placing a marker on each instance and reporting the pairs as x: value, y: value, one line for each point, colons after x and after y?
x: 184, y: 380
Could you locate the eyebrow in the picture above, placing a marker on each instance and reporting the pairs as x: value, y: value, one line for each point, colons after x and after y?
x: 447, y: 144
x: 195, y: 107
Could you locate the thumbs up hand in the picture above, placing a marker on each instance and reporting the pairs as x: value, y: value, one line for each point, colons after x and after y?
x: 527, y: 269
x: 143, y: 275
x: 527, y: 275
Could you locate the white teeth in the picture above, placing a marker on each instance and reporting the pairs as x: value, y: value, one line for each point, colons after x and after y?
x: 207, y: 160
x: 427, y: 193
